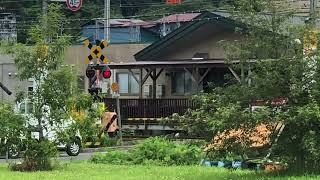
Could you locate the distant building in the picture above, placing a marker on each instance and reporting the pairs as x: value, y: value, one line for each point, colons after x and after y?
x: 135, y: 30
x: 122, y: 31
x: 8, y: 26
x: 169, y: 23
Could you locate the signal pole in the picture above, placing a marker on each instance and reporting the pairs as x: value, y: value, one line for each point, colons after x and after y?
x: 313, y: 7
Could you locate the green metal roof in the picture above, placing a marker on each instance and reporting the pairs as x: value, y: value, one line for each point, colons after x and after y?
x: 152, y: 51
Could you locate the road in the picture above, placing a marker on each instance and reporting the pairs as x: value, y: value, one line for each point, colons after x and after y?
x: 85, y: 155
x: 62, y: 156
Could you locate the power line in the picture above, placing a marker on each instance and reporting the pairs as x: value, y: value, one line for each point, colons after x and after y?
x: 80, y: 20
x: 101, y: 27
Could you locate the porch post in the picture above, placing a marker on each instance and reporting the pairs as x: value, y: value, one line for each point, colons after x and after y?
x: 154, y: 76
x: 203, y: 76
x: 141, y: 85
x: 234, y: 74
x: 154, y: 86
x: 249, y: 75
x: 197, y: 80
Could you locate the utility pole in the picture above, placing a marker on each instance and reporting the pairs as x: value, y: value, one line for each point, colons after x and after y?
x: 44, y: 7
x: 44, y: 12
x: 106, y: 29
x: 313, y: 7
x: 97, y: 29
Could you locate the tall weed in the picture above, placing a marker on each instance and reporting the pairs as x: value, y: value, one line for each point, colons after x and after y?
x: 155, y: 151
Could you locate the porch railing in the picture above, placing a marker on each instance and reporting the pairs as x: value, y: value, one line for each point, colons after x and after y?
x: 150, y: 108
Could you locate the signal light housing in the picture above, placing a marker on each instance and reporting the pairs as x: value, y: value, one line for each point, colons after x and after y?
x: 90, y: 72
x: 106, y: 74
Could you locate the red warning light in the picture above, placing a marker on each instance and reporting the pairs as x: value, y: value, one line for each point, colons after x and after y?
x: 106, y: 74
x: 173, y: 1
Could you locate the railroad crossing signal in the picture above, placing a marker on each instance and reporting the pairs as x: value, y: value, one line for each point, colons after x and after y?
x: 96, y: 51
x: 91, y: 71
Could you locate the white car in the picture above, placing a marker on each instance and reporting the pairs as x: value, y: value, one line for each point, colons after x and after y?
x: 12, y: 148
x: 73, y: 147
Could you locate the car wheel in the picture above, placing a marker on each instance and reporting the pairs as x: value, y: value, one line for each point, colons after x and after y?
x: 13, y: 151
x: 74, y: 148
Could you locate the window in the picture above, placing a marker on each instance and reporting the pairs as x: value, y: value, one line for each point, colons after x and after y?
x: 30, y: 91
x: 181, y: 83
x: 127, y: 84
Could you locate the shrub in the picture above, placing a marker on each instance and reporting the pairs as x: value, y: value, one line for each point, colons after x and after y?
x: 110, y: 141
x: 37, y: 157
x: 156, y: 151
x: 112, y: 157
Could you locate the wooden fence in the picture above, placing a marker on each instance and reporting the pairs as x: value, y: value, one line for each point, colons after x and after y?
x: 150, y: 108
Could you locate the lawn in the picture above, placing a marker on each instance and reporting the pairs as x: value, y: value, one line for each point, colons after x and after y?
x: 84, y: 170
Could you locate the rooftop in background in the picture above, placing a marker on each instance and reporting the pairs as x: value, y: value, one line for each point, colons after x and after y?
x: 126, y: 22
x: 178, y: 18
x: 136, y: 30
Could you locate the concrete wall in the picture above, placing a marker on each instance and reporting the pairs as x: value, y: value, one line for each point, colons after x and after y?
x: 9, y: 78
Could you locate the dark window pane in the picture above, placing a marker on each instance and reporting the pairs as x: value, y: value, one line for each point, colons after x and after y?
x: 178, y: 83
x: 134, y: 86
x: 187, y: 82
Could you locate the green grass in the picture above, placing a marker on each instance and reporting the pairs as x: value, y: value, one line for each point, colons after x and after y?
x: 88, y: 171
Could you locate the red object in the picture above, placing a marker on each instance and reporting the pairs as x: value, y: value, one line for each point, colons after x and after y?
x: 274, y: 102
x: 74, y: 5
x: 173, y: 1
x: 106, y: 74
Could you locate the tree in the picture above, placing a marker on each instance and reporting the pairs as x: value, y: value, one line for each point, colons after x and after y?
x: 280, y: 70
x: 12, y: 127
x: 53, y: 83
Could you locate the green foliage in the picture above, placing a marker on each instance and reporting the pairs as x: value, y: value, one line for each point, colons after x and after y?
x: 53, y: 84
x: 42, y: 62
x: 84, y: 170
x: 49, y: 25
x: 166, y: 152
x: 280, y: 70
x: 110, y: 141
x: 153, y: 151
x: 12, y: 127
x: 37, y: 156
x: 83, y: 101
x: 113, y: 157
x: 85, y: 114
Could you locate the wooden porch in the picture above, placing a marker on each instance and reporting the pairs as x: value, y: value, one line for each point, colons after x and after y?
x: 197, y: 69
x: 144, y: 114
